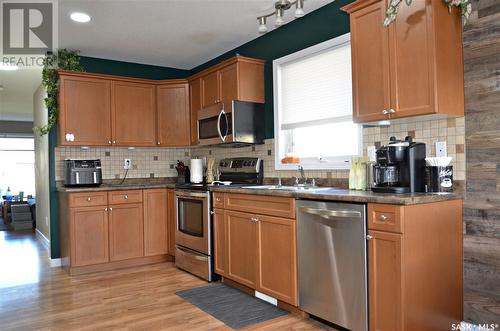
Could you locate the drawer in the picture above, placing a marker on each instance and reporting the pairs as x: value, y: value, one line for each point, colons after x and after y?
x: 129, y: 196
x: 218, y: 200
x: 194, y: 262
x: 385, y: 217
x: 88, y: 199
x: 261, y: 204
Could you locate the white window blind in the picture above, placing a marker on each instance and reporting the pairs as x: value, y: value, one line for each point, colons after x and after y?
x: 317, y: 89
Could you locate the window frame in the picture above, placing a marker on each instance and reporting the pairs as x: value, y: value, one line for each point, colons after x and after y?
x: 336, y: 163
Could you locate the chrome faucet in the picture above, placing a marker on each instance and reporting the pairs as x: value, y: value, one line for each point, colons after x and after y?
x: 302, y: 175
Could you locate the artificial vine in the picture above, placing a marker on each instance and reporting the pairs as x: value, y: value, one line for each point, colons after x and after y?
x: 392, y: 10
x: 63, y: 60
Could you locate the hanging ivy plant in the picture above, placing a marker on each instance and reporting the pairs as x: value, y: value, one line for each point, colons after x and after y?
x: 392, y: 10
x: 63, y: 60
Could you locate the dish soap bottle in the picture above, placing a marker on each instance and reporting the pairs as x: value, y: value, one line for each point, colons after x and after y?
x: 353, y: 173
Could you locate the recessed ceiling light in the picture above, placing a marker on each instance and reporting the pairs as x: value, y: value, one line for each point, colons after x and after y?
x: 80, y: 17
x: 8, y: 67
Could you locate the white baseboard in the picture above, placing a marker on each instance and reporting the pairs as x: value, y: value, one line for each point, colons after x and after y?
x: 54, y: 263
x: 44, y: 240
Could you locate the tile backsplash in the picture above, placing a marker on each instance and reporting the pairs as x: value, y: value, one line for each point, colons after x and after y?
x: 159, y: 162
x: 146, y: 162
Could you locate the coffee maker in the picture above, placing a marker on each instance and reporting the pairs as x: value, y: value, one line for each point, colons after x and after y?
x: 400, y: 167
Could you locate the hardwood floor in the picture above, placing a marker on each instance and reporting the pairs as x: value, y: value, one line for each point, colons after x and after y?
x: 34, y: 296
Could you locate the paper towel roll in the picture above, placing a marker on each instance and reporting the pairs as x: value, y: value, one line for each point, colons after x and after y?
x: 196, y: 170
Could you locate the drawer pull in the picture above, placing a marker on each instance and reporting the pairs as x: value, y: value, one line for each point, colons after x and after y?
x: 217, y: 199
x: 254, y: 219
x: 126, y: 196
x: 385, y: 112
x: 368, y: 237
x: 383, y: 218
x: 88, y: 199
x: 106, y: 209
x: 110, y: 209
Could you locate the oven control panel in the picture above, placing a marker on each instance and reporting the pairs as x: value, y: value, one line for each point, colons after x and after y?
x: 243, y: 164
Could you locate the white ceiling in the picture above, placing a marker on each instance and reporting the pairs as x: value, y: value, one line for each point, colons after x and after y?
x: 174, y: 33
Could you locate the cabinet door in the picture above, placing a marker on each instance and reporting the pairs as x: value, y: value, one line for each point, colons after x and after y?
x: 171, y: 221
x: 277, y: 256
x: 229, y: 83
x: 134, y: 114
x: 412, y: 60
x: 241, y: 248
x: 384, y: 281
x: 219, y: 242
x: 370, y: 63
x: 85, y: 105
x: 126, y: 231
x: 195, y: 105
x: 89, y: 236
x: 210, y: 89
x: 155, y: 222
x: 173, y: 115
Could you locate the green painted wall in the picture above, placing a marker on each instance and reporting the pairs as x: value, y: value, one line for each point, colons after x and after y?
x: 323, y: 24
x: 128, y: 69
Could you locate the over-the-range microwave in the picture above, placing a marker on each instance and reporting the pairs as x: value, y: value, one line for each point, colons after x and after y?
x: 230, y: 123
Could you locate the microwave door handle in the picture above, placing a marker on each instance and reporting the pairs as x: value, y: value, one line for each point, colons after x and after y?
x: 223, y: 138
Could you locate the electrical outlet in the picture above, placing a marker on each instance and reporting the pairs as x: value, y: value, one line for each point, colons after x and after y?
x: 127, y: 163
x: 441, y: 149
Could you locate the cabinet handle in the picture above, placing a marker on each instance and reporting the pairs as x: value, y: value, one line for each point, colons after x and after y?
x: 158, y: 143
x: 88, y: 199
x: 106, y: 209
x: 109, y: 142
x: 110, y: 209
x: 126, y: 196
x: 217, y: 199
x: 114, y: 141
x: 368, y: 237
x: 392, y: 111
x: 212, y: 213
x: 385, y: 112
x: 254, y: 219
x: 383, y: 218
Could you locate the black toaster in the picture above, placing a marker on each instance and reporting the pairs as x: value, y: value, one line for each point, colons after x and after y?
x: 82, y: 172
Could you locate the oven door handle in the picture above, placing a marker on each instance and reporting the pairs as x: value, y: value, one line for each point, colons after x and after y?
x: 195, y: 255
x: 190, y: 194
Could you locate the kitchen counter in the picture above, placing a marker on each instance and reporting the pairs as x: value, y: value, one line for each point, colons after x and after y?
x: 114, y: 185
x: 337, y: 194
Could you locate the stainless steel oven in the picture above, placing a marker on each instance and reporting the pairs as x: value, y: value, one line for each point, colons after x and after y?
x: 234, y: 122
x: 193, y: 232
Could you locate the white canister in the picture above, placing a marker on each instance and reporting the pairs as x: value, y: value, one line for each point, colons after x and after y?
x: 196, y: 171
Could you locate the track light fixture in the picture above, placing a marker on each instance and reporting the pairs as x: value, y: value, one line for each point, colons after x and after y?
x: 279, y: 10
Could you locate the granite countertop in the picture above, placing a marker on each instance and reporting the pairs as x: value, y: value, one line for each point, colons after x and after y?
x: 337, y: 194
x: 129, y: 184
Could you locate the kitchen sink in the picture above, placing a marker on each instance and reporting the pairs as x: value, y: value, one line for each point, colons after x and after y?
x: 288, y: 188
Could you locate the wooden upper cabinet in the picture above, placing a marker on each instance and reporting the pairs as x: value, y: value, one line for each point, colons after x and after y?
x: 241, y: 248
x: 210, y: 89
x: 126, y: 231
x: 420, y: 53
x: 385, y: 281
x: 173, y: 123
x: 370, y: 63
x: 195, y: 106
x: 133, y: 114
x: 85, y: 111
x: 155, y: 222
x: 228, y: 78
x: 277, y: 258
x: 89, y: 236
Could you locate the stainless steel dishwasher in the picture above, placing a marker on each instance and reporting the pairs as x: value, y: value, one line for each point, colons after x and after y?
x: 331, y: 245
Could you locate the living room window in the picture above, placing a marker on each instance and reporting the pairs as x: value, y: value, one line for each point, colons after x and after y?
x: 313, y: 108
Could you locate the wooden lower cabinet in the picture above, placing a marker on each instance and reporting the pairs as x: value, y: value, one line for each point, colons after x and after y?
x: 155, y: 222
x: 126, y: 231
x: 219, y: 226
x: 241, y: 232
x: 172, y: 221
x: 277, y: 258
x: 89, y: 235
x: 384, y: 281
x: 258, y: 251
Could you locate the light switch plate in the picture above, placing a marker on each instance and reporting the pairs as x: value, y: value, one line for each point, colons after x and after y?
x: 441, y: 148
